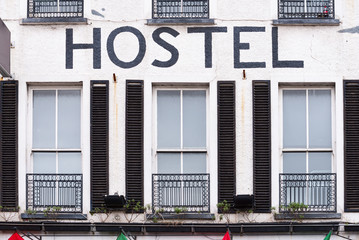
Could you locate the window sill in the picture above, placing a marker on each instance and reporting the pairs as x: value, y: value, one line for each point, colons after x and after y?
x: 206, y: 21
x: 183, y: 216
x: 306, y: 22
x: 303, y: 216
x: 62, y: 216
x: 46, y: 21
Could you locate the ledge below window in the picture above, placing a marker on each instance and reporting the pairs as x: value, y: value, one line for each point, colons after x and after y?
x: 184, y: 216
x: 62, y: 216
x: 306, y: 22
x: 180, y: 21
x: 36, y: 21
x: 302, y: 216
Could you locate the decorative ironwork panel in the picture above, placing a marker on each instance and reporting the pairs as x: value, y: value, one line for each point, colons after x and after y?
x: 190, y: 192
x: 174, y: 9
x: 300, y: 9
x: 55, y: 8
x: 316, y: 191
x: 63, y: 191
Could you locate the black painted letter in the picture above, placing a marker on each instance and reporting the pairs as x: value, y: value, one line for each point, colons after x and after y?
x: 96, y: 46
x: 238, y: 45
x: 207, y: 41
x: 275, y: 61
x: 111, y: 50
x: 174, y: 52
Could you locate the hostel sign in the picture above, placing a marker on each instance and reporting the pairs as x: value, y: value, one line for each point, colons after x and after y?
x: 207, y: 32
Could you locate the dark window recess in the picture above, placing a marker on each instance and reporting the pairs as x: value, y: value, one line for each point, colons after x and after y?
x: 351, y: 143
x: 134, y: 140
x: 99, y: 142
x: 305, y: 9
x: 261, y: 146
x: 8, y: 144
x: 55, y: 8
x: 226, y: 141
x: 177, y: 9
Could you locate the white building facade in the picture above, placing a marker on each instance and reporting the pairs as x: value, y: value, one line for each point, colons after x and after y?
x: 179, y: 105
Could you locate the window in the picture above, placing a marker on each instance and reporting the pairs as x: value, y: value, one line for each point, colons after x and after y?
x: 307, y: 148
x: 56, y: 178
x: 55, y: 8
x: 175, y: 9
x: 304, y: 9
x: 181, y: 152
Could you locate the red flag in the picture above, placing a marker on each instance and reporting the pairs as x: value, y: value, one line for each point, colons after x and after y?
x: 226, y: 237
x: 15, y: 236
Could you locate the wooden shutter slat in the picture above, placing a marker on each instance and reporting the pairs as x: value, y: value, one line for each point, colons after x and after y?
x: 134, y: 140
x: 261, y: 146
x: 226, y: 141
x: 99, y: 142
x: 8, y: 144
x: 351, y: 143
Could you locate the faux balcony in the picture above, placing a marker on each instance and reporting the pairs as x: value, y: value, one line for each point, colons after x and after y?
x: 188, y: 192
x: 62, y: 192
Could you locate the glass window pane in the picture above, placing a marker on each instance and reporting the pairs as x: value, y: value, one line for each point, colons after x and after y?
x: 168, y: 119
x: 320, y: 119
x: 44, y: 162
x: 194, y: 119
x: 70, y: 163
x: 294, y: 119
x: 320, y: 162
x: 294, y: 163
x: 44, y: 113
x: 69, y: 119
x: 194, y: 163
x: 169, y: 162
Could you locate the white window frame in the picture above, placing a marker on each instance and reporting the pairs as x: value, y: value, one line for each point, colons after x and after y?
x: 30, y: 149
x: 178, y: 150
x: 307, y: 150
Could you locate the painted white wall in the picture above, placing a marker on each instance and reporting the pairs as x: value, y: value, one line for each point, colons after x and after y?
x: 39, y: 56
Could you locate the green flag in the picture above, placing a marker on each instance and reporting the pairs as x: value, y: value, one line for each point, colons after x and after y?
x: 123, y: 237
x: 328, y: 236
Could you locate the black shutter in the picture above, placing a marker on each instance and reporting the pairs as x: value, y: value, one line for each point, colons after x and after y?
x: 8, y: 144
x: 351, y: 146
x: 226, y: 141
x: 261, y: 146
x: 134, y: 140
x: 99, y: 142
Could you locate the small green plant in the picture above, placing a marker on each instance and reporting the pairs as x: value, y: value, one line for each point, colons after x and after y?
x: 224, y: 208
x: 8, y: 213
x: 178, y: 210
x: 133, y: 209
x: 102, y: 212
x: 296, y: 210
x: 52, y: 212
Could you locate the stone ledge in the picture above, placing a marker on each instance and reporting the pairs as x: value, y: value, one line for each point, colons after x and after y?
x: 47, y: 21
x: 62, y: 216
x: 303, y: 216
x: 306, y: 22
x: 181, y: 21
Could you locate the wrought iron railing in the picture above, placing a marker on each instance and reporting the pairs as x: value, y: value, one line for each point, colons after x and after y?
x: 317, y: 192
x: 304, y: 9
x: 189, y: 192
x: 55, y: 8
x: 175, y: 9
x: 46, y: 191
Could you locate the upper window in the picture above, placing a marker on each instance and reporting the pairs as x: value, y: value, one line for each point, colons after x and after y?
x: 307, y: 131
x: 55, y: 8
x: 56, y: 137
x: 182, y: 180
x: 307, y: 150
x: 177, y: 9
x: 305, y: 9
